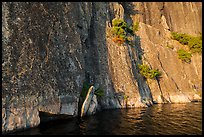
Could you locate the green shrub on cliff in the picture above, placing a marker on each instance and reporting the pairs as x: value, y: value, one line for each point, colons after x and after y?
x: 182, y: 38
x: 184, y: 55
x: 154, y: 73
x: 149, y: 73
x: 120, y: 30
x: 144, y: 70
x: 119, y: 23
x: 194, y: 43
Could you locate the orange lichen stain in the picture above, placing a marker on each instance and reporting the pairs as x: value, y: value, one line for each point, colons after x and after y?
x: 118, y: 40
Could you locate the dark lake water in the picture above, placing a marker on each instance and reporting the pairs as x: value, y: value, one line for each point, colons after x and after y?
x: 161, y: 119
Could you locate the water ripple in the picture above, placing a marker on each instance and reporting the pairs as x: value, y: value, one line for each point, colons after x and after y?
x: 161, y: 119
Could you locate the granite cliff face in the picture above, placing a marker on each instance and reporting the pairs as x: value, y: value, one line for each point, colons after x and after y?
x: 50, y: 49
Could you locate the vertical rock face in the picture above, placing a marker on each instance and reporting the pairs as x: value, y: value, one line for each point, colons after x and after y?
x: 180, y: 82
x: 43, y: 63
x: 50, y: 49
x: 185, y: 17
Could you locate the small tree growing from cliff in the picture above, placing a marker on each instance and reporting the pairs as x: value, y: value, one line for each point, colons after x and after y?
x: 184, y: 55
x: 182, y: 38
x: 120, y: 30
x: 149, y: 73
x: 194, y: 43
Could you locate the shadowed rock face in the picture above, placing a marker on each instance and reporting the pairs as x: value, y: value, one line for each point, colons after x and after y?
x: 42, y: 64
x: 50, y: 49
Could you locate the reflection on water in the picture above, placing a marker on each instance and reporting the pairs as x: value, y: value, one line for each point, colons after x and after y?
x: 166, y: 119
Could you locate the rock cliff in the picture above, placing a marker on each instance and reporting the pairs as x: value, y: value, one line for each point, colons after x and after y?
x: 50, y: 49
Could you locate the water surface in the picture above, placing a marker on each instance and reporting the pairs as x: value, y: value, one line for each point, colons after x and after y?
x: 161, y: 119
